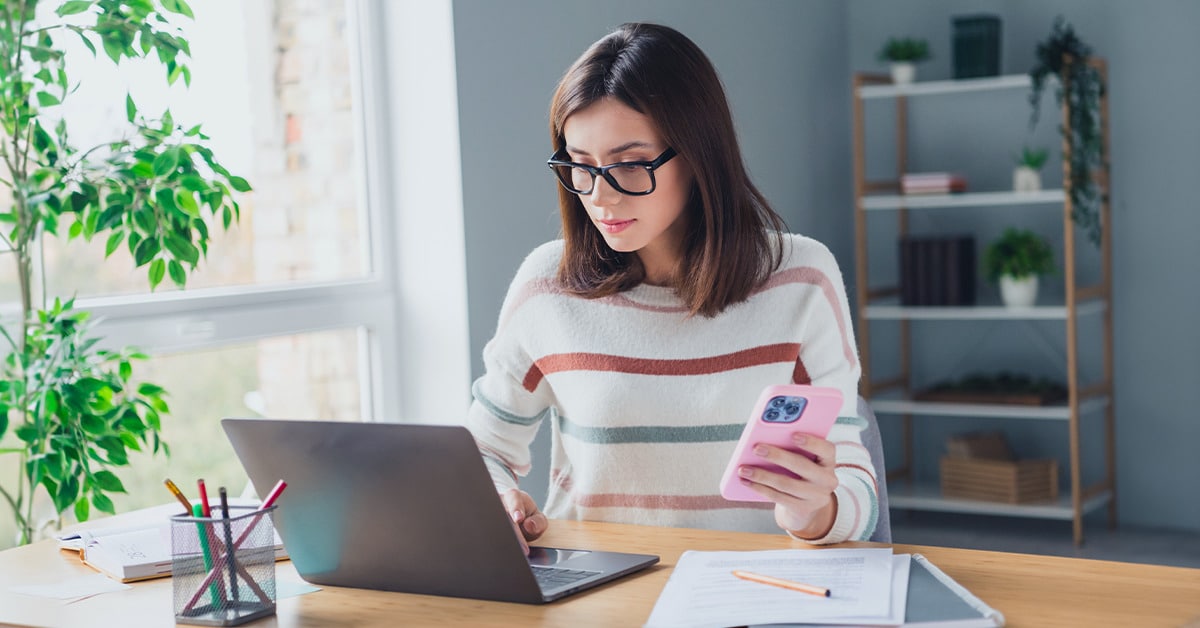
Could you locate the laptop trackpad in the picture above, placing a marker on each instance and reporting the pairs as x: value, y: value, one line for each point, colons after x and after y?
x: 550, y: 557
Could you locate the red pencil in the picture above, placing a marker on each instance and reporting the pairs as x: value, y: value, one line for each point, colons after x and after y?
x: 204, y: 509
x: 273, y: 495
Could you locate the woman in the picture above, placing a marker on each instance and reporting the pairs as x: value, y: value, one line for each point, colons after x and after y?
x: 645, y: 335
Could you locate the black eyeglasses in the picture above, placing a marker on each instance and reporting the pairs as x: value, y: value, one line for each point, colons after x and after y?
x: 635, y: 178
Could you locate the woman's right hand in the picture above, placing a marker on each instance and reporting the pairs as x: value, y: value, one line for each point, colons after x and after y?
x: 528, y: 522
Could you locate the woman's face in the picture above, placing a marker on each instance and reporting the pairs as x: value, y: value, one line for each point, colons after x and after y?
x: 653, y: 225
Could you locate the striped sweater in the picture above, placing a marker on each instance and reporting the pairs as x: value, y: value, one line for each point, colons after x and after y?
x: 646, y: 404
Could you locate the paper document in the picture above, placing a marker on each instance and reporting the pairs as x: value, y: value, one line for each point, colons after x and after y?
x: 703, y: 591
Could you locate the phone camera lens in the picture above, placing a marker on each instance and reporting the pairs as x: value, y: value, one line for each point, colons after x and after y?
x: 771, y: 415
x: 778, y: 402
x: 791, y: 408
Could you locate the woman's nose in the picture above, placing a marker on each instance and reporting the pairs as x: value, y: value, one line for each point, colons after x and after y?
x: 603, y: 193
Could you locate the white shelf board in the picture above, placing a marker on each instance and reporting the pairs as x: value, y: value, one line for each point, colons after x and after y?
x: 925, y: 88
x: 980, y: 312
x: 902, y: 495
x: 988, y: 410
x: 964, y: 199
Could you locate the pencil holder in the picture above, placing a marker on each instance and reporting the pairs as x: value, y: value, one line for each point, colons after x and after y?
x: 223, y: 569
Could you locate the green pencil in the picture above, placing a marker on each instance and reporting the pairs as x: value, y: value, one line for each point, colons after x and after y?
x: 198, y: 511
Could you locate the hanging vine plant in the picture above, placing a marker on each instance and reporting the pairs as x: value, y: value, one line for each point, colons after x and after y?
x: 1065, y: 56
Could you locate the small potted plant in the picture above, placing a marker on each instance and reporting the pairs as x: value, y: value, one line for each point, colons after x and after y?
x: 1016, y: 259
x: 903, y: 53
x: 1027, y: 176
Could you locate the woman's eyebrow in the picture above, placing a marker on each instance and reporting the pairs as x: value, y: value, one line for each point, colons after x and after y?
x: 615, y: 150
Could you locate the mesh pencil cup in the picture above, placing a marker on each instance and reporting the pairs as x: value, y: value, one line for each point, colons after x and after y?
x: 214, y: 586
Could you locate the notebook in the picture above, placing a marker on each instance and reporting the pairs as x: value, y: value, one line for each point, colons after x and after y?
x: 405, y: 507
x: 131, y: 553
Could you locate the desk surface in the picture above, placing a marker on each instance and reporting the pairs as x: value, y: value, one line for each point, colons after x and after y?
x: 1029, y: 590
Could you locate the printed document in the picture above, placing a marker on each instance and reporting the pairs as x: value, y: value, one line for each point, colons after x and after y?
x: 703, y: 591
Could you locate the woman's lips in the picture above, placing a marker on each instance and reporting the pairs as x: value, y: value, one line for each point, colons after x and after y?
x: 615, y: 226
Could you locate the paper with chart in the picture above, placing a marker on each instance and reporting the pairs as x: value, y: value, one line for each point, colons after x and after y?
x: 702, y: 590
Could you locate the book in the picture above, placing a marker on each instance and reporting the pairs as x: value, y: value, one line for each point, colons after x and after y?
x: 131, y: 553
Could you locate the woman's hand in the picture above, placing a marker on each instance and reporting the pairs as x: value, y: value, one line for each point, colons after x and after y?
x: 804, y: 506
x: 528, y: 522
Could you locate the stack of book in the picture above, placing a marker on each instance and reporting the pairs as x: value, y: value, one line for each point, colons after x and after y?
x: 937, y: 270
x: 932, y: 183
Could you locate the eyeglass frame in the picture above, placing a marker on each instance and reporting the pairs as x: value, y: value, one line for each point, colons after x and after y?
x: 602, y: 171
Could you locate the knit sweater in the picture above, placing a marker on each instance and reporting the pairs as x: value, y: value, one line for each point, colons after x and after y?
x: 646, y: 403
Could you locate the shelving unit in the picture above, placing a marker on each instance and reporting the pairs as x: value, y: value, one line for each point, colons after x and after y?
x: 893, y: 397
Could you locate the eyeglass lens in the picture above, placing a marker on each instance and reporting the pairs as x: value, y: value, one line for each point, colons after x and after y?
x: 636, y: 179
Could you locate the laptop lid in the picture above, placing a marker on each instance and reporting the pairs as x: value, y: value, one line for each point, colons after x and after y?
x: 404, y: 507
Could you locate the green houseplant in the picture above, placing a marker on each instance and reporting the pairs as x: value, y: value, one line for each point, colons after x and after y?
x: 71, y: 411
x: 1027, y: 176
x: 903, y: 53
x: 1081, y: 87
x: 1016, y: 259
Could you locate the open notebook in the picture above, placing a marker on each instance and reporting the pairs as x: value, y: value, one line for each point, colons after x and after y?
x: 136, y: 552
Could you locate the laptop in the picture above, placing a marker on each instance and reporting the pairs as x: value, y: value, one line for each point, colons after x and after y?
x: 405, y: 507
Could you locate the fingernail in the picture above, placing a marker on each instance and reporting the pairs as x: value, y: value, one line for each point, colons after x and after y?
x: 760, y: 450
x: 516, y: 516
x: 531, y: 525
x: 800, y: 439
x: 746, y: 472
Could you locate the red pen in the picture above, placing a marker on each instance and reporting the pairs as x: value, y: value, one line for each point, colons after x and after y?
x: 204, y: 509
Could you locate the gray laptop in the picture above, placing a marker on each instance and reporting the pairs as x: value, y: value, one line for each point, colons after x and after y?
x: 404, y: 507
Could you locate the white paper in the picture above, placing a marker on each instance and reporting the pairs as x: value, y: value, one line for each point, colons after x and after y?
x: 901, y: 563
x: 73, y: 589
x: 702, y: 590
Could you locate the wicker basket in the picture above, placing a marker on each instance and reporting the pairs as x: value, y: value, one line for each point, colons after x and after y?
x: 1012, y: 482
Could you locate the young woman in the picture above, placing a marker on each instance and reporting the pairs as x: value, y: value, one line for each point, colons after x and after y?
x: 645, y: 335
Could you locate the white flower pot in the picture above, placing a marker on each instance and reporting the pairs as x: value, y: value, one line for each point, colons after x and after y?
x: 1018, y: 292
x: 1026, y: 179
x: 903, y: 72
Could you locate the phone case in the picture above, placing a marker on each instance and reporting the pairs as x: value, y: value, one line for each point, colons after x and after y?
x: 780, y: 412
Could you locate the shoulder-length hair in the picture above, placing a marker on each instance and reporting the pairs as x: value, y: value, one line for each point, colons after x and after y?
x: 731, y: 243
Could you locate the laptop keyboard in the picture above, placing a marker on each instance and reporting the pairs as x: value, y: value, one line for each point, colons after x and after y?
x: 553, y: 577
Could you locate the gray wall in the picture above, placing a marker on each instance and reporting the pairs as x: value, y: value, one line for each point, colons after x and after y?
x: 786, y: 66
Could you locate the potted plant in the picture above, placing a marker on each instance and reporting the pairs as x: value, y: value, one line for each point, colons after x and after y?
x: 1081, y: 87
x: 1016, y: 259
x: 69, y: 411
x: 903, y: 54
x: 1027, y: 176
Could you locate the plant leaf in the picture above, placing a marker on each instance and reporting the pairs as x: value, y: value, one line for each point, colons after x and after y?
x: 108, y: 481
x: 157, y: 269
x: 82, y: 510
x: 103, y: 503
x: 130, y: 108
x: 239, y: 184
x: 114, y: 242
x: 73, y: 7
x: 166, y: 162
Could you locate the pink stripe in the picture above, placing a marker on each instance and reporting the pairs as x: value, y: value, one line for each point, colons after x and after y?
x: 813, y: 276
x: 664, y: 502
x: 495, y: 455
x: 857, y: 513
x: 529, y: 290
x: 852, y: 445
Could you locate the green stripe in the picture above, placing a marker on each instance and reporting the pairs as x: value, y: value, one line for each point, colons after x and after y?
x: 507, y: 417
x: 870, y: 529
x: 856, y: 421
x: 651, y: 433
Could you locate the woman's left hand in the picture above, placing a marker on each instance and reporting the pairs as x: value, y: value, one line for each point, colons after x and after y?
x: 804, y: 505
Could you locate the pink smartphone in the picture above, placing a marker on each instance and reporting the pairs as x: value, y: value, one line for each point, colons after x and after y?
x: 780, y: 412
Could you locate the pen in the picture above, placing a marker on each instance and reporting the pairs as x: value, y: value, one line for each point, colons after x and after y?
x: 204, y: 507
x: 230, y: 548
x: 780, y: 582
x: 202, y: 528
x: 187, y: 506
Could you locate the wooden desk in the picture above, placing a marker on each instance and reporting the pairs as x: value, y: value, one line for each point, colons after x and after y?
x: 1030, y: 590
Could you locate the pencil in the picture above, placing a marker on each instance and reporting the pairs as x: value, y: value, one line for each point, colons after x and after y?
x: 780, y: 582
x: 187, y: 506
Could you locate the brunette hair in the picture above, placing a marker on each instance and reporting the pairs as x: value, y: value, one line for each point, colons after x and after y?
x: 730, y: 246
